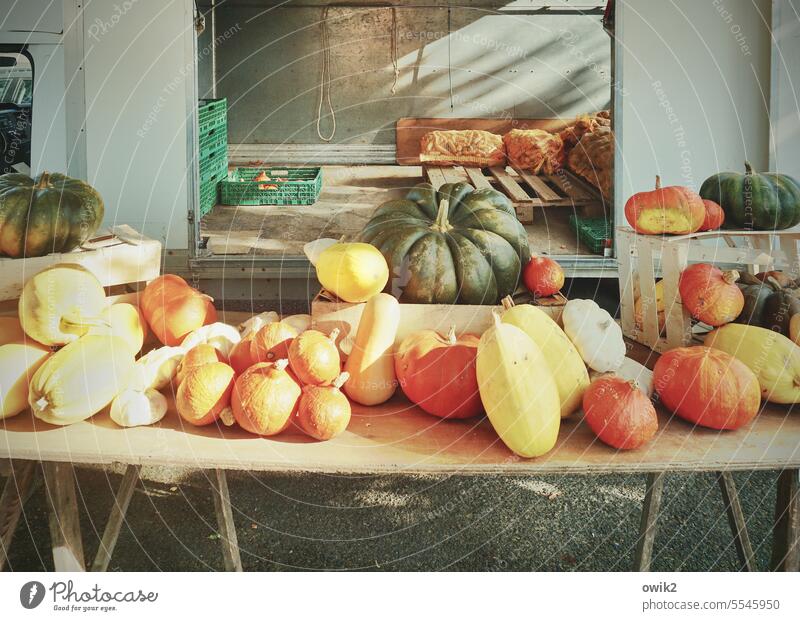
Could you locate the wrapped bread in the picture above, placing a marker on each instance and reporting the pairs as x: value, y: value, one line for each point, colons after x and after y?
x: 468, y: 147
x: 534, y: 149
x: 593, y: 159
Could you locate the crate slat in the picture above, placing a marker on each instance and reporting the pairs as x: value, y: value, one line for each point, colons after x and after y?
x: 477, y: 177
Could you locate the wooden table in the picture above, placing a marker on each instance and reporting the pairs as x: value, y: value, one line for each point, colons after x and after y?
x: 396, y: 437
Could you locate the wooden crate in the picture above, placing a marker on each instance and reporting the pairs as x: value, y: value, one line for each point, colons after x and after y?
x: 122, y: 259
x: 328, y: 312
x: 643, y: 257
x: 526, y: 190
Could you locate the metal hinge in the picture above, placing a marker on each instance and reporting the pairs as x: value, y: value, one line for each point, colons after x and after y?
x: 190, y: 215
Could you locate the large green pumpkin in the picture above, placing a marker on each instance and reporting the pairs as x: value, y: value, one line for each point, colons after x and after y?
x: 457, y: 245
x: 52, y: 213
x: 761, y: 201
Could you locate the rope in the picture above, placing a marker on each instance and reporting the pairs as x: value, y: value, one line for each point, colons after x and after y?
x: 325, y: 80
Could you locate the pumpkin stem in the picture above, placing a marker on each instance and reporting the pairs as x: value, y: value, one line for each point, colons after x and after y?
x: 730, y: 277
x: 41, y: 404
x: 507, y: 302
x: 281, y: 364
x: 451, y: 335
x: 658, y: 182
x: 334, y: 335
x: 441, y: 223
x: 604, y: 324
x: 226, y: 416
x: 44, y: 181
x: 775, y: 284
x: 74, y: 324
x: 339, y: 381
x: 748, y: 168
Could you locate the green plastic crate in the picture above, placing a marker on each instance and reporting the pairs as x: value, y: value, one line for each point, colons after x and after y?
x: 209, y: 194
x: 212, y: 142
x: 300, y: 186
x: 212, y: 114
x: 214, y: 165
x: 596, y: 233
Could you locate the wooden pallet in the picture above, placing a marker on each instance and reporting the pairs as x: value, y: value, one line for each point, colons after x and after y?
x: 526, y: 190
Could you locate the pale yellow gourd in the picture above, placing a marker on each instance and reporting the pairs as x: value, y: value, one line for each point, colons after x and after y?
x: 81, y: 379
x: 566, y: 364
x: 370, y: 366
x: 220, y: 336
x: 133, y: 408
x: 354, y: 272
x: 18, y: 364
x: 125, y: 321
x: 156, y: 368
x: 518, y: 390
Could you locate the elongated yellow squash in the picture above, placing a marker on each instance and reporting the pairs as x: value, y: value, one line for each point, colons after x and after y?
x: 518, y: 390
x: 774, y: 358
x: 81, y: 379
x: 18, y: 363
x: 565, y: 363
x: 371, y: 363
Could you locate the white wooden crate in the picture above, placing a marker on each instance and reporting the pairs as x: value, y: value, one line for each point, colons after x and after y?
x: 642, y: 258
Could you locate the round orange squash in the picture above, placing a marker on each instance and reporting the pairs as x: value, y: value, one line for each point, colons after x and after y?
x: 676, y: 209
x: 711, y: 295
x: 240, y: 358
x: 314, y: 357
x: 265, y: 398
x: 714, y: 216
x: 707, y: 386
x: 174, y: 309
x: 619, y: 413
x: 324, y: 411
x: 543, y: 276
x: 272, y: 342
x: 197, y: 356
x: 204, y: 393
x: 439, y: 374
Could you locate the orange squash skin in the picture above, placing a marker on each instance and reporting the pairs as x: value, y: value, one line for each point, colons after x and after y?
x: 272, y: 342
x: 323, y: 412
x: 265, y: 398
x: 314, y: 358
x: 173, y: 309
x: 240, y: 358
x: 676, y: 210
x: 543, y: 276
x: 715, y: 217
x: 197, y: 356
x: 707, y: 387
x: 711, y: 295
x: 618, y: 413
x: 204, y: 393
x: 439, y: 374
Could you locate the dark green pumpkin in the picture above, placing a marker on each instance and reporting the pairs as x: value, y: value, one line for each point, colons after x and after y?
x: 457, y: 245
x: 52, y: 213
x: 761, y: 201
x: 767, y: 304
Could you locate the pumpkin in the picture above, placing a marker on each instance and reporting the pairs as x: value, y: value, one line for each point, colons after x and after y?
x: 196, y: 357
x: 272, y: 342
x: 125, y: 321
x: 438, y: 374
x: 323, y: 412
x: 204, y: 393
x: 240, y: 358
x: 771, y: 356
x: 710, y: 295
x: 265, y: 397
x: 779, y: 308
x: 706, y: 386
x: 174, y: 309
x: 619, y: 413
x: 638, y: 309
x: 133, y: 408
x: 755, y: 295
x: 220, y: 336
x: 314, y: 357
x: 715, y: 217
x: 676, y: 210
x: 353, y: 272
x: 562, y: 357
x: 11, y: 331
x: 370, y: 365
x: 51, y: 213
x: 453, y: 245
x: 518, y: 390
x: 156, y: 368
x: 252, y: 325
x: 782, y: 278
x: 794, y: 329
x: 543, y: 276
x: 763, y: 201
x: 18, y: 363
x: 61, y: 303
x: 595, y: 334
x: 81, y: 379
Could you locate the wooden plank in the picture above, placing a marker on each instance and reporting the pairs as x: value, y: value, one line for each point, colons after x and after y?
x: 649, y: 522
x: 477, y: 178
x: 627, y: 264
x: 647, y: 291
x: 543, y: 191
x: 15, y: 493
x: 435, y: 176
x: 678, y: 322
x: 227, y: 528
x: 122, y: 500
x: 512, y: 188
x: 565, y: 181
x: 786, y: 529
x: 736, y: 519
x: 65, y: 529
x: 454, y: 174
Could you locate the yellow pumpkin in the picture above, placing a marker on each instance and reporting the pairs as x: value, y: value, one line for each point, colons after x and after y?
x: 61, y: 303
x: 204, y: 393
x: 11, y: 331
x: 518, y: 390
x: 771, y: 356
x: 18, y: 363
x: 794, y: 328
x: 125, y: 321
x: 354, y: 272
x: 564, y: 361
x: 81, y: 379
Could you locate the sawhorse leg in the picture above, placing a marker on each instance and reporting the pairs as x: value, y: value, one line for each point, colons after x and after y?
x: 16, y: 491
x: 786, y: 530
x: 649, y: 522
x: 116, y: 519
x: 227, y: 529
x: 733, y: 508
x: 65, y: 528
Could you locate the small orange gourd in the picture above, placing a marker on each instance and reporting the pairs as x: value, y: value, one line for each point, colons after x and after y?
x: 265, y: 398
x: 204, y: 393
x: 240, y: 358
x: 324, y: 411
x: 314, y: 357
x: 174, y: 309
x: 271, y: 342
x: 197, y: 356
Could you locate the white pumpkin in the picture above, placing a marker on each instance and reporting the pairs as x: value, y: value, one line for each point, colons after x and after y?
x: 132, y: 408
x: 256, y: 322
x: 595, y: 334
x: 156, y: 368
x: 220, y: 336
x: 301, y: 323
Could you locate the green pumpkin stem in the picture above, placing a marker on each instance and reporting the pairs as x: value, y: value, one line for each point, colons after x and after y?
x: 774, y: 283
x: 658, y: 182
x: 507, y: 302
x: 44, y: 181
x: 441, y: 223
x: 748, y: 168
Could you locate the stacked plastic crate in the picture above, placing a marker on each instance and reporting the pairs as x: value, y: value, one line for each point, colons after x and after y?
x: 213, y: 121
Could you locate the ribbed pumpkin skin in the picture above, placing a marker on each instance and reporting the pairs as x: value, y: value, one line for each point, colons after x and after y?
x: 707, y: 387
x: 470, y: 252
x: 314, y: 358
x: 618, y: 413
x: 676, y: 210
x: 762, y: 201
x: 81, y: 379
x: 174, y: 309
x: 52, y: 213
x: 715, y: 216
x: 204, y: 393
x: 438, y: 374
x: 710, y: 295
x: 265, y: 397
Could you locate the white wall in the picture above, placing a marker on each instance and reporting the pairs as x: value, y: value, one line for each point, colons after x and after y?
x: 696, y: 80
x: 785, y: 104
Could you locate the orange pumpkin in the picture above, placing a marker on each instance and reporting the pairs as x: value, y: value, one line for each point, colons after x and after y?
x: 204, y: 393
x: 323, y: 411
x: 543, y: 276
x: 707, y: 386
x: 314, y: 357
x: 714, y: 216
x: 676, y: 209
x: 271, y: 342
x: 265, y: 398
x: 438, y: 374
x: 173, y: 309
x: 619, y: 413
x: 197, y: 356
x: 240, y: 358
x: 711, y: 295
